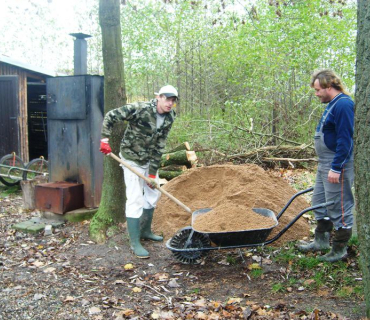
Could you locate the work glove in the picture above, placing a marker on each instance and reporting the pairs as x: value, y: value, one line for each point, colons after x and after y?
x: 104, y: 146
x: 152, y: 183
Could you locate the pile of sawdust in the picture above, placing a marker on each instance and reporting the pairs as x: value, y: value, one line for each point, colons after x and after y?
x: 248, y: 186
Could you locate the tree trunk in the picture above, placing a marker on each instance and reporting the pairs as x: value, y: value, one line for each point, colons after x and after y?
x: 112, y: 205
x: 362, y: 143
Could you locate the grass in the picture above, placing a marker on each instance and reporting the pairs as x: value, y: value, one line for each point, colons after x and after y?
x: 231, y: 260
x: 256, y: 273
x: 278, y: 287
x: 314, y: 274
x: 6, y: 191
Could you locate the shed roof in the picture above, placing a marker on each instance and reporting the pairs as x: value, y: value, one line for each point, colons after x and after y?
x: 26, y: 66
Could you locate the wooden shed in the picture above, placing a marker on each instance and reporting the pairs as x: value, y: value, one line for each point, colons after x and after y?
x: 23, y: 123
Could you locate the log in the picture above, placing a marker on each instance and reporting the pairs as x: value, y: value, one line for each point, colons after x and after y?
x: 183, y: 146
x: 188, y: 158
x: 169, y: 175
x: 174, y: 167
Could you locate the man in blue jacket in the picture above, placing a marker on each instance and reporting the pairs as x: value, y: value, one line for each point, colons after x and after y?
x: 335, y: 172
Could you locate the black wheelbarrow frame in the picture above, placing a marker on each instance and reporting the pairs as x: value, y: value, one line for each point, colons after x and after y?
x: 235, y: 239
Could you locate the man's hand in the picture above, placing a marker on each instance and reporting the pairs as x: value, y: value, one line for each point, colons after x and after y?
x: 152, y: 183
x: 333, y: 177
x: 104, y: 146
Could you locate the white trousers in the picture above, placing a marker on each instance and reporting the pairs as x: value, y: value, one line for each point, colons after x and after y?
x: 139, y: 195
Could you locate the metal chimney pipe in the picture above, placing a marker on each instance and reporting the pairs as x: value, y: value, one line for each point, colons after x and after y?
x: 80, y: 53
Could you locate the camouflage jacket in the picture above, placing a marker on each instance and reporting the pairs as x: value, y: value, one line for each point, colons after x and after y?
x: 142, y: 142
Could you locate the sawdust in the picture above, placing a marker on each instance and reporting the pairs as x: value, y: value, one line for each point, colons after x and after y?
x: 230, y: 217
x: 247, y: 186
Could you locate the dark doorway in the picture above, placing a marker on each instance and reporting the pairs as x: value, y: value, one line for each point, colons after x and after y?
x: 9, y: 106
x: 37, y: 120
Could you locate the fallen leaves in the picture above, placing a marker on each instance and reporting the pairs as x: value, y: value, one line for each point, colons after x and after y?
x: 254, y: 266
x: 128, y: 266
x: 66, y: 272
x: 94, y: 310
x: 49, y: 270
x: 69, y: 299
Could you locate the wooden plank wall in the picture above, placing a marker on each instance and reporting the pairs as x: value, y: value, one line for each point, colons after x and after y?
x: 7, y: 69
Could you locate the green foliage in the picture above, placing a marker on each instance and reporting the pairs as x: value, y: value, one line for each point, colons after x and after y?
x: 255, y: 76
x: 242, y: 69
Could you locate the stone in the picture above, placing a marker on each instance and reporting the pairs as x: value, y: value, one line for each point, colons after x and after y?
x: 48, y: 230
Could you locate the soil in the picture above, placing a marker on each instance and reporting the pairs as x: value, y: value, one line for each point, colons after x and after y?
x: 67, y: 276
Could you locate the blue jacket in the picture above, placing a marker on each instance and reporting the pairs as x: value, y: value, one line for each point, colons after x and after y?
x: 338, y: 130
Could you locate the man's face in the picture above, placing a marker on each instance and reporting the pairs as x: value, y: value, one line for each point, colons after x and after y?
x: 323, y: 94
x: 165, y: 104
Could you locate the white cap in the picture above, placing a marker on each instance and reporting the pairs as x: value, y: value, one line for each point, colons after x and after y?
x: 168, y: 91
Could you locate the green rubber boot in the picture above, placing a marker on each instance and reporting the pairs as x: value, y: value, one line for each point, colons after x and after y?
x: 133, y: 226
x: 146, y: 226
x: 339, y: 249
x: 322, y: 237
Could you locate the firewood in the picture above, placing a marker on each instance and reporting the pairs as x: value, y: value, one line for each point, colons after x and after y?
x: 183, y: 146
x: 188, y: 158
x: 174, y: 167
x: 169, y: 175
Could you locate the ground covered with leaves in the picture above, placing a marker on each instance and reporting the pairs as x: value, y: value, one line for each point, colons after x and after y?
x: 67, y: 276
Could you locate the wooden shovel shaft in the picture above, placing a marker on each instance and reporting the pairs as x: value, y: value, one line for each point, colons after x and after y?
x: 146, y: 179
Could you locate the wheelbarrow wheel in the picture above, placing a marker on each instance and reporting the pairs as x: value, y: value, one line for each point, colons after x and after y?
x: 11, y: 170
x: 36, y: 167
x: 181, y: 240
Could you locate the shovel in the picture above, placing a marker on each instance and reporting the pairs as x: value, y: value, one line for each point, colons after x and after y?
x: 146, y: 179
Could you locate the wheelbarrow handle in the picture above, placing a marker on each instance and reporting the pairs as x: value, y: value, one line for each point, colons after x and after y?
x: 291, y: 200
x: 146, y: 179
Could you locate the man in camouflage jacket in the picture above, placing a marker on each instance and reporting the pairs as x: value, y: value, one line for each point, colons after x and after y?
x: 143, y: 143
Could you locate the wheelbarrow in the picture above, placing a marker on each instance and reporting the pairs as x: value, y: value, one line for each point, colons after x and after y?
x: 189, y: 245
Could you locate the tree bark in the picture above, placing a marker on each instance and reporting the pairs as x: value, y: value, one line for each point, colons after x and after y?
x: 112, y: 205
x: 169, y: 175
x: 174, y: 167
x: 362, y: 142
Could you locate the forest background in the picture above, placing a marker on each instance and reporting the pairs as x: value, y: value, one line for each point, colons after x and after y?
x: 242, y: 67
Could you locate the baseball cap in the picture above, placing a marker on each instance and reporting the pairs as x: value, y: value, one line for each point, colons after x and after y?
x: 168, y: 91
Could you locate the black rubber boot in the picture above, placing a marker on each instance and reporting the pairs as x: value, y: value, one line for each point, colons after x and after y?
x: 146, y: 226
x: 133, y: 226
x: 322, y: 237
x: 339, y: 249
